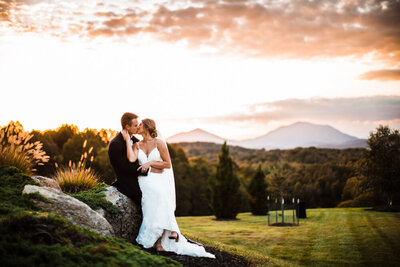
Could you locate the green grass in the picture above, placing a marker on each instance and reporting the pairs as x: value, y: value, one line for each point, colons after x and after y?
x: 328, y: 237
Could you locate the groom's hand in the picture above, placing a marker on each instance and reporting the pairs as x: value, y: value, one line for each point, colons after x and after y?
x: 155, y: 170
x: 142, y: 171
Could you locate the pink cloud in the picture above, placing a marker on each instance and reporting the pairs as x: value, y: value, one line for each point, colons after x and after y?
x: 374, y: 108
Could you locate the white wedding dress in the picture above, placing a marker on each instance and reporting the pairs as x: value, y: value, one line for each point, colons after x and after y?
x: 158, y: 207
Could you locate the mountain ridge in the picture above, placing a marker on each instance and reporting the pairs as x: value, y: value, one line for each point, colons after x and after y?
x: 298, y: 134
x: 196, y: 135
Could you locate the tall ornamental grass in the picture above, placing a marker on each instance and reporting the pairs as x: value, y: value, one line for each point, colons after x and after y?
x: 75, y: 178
x: 17, y: 151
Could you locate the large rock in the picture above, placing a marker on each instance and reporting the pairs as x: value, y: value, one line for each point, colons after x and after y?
x: 47, y: 182
x: 127, y: 221
x: 71, y: 209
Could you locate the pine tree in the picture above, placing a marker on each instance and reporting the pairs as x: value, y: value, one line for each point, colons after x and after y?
x: 258, y: 192
x: 224, y: 187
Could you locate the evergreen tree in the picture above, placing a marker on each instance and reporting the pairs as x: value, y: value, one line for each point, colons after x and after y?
x: 258, y: 192
x: 224, y: 187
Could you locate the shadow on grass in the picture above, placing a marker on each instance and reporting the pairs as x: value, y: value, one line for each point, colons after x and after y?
x: 283, y: 224
x: 395, y: 208
x: 222, y: 220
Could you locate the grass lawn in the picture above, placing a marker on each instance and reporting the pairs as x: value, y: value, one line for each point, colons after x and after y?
x: 328, y: 237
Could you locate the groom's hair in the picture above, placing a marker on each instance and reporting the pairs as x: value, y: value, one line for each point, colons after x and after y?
x: 127, y: 118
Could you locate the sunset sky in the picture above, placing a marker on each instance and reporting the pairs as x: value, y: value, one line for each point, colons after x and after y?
x: 235, y: 68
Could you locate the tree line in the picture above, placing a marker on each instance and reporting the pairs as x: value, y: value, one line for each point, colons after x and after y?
x: 210, y: 175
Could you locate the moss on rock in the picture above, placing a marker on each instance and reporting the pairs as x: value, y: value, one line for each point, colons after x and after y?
x: 95, y: 198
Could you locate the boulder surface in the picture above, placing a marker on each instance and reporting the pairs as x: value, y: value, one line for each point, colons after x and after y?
x: 127, y: 221
x: 71, y: 209
x: 46, y: 182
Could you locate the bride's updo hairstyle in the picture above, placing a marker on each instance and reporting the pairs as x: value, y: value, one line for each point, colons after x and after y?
x: 150, y: 126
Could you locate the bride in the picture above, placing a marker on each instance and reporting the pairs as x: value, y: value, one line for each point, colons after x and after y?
x: 159, y: 228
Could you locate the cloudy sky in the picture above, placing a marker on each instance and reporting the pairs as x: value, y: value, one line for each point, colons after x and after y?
x: 234, y: 68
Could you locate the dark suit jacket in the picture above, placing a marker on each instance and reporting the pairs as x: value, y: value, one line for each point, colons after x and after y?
x: 127, y: 174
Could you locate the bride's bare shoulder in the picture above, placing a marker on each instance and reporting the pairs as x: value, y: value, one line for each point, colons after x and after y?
x: 160, y: 143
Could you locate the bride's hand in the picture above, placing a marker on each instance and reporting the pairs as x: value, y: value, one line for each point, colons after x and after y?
x: 145, y: 167
x: 125, y: 135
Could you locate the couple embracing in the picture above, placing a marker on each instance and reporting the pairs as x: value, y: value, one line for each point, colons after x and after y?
x: 144, y: 174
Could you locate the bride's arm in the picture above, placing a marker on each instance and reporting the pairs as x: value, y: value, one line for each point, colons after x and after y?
x: 166, y: 160
x: 131, y: 151
x: 166, y: 163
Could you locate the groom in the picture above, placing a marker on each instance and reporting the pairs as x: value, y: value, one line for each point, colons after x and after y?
x: 127, y: 172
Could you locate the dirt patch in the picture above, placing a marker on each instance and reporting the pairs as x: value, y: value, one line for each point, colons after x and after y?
x: 222, y: 258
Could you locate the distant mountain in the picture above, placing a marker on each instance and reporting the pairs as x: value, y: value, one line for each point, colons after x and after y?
x: 304, y: 134
x: 196, y: 135
x: 299, y: 134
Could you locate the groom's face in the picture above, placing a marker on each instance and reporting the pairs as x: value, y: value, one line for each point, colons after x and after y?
x: 133, y: 128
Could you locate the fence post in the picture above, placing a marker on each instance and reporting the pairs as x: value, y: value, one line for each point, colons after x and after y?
x: 298, y: 209
x: 283, y: 211
x: 293, y: 209
x: 268, y: 210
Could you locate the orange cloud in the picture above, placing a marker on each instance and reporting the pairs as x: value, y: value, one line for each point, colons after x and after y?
x: 106, y: 14
x: 296, y: 29
x: 382, y: 75
x: 283, y: 29
x: 4, y: 7
x: 101, y: 32
x: 125, y: 21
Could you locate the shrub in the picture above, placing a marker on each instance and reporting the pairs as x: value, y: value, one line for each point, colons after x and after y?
x: 9, y: 156
x: 363, y: 200
x: 17, y: 151
x: 76, y: 177
x: 351, y: 188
